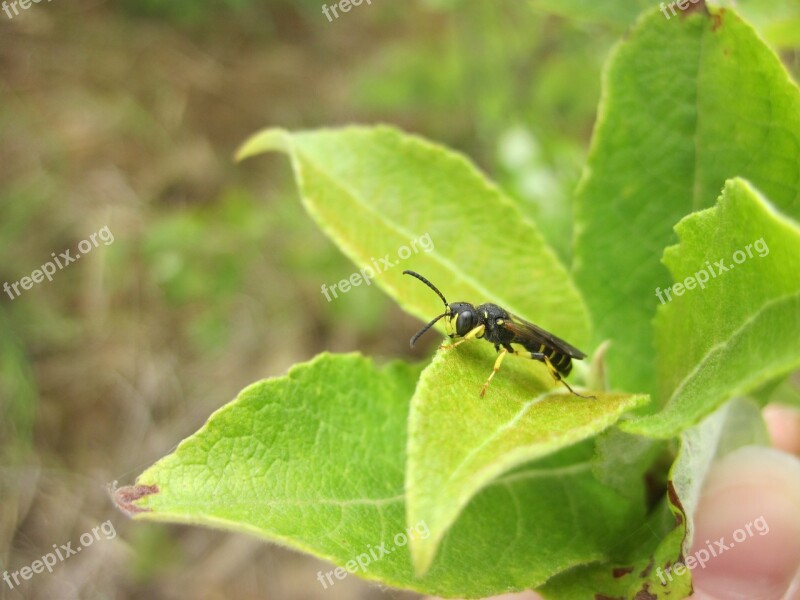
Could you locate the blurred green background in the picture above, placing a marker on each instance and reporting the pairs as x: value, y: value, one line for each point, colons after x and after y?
x: 127, y: 115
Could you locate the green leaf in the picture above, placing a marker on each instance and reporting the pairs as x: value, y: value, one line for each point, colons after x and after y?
x: 637, y: 468
x: 374, y: 190
x: 459, y: 442
x: 737, y: 331
x: 314, y: 462
x: 625, y: 462
x: 657, y: 541
x: 265, y: 463
x: 777, y: 20
x: 644, y: 566
x: 687, y: 104
x: 763, y: 394
x: 786, y: 392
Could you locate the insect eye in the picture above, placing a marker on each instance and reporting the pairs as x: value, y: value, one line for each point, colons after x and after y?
x: 464, y: 322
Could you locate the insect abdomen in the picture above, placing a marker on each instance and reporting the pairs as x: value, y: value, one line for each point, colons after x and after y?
x: 562, y: 362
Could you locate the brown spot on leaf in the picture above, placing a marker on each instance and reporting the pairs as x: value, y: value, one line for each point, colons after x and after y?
x: 646, y: 571
x: 125, y: 497
x: 604, y: 597
x: 621, y: 571
x: 675, y: 501
x: 717, y: 18
x: 698, y: 7
x: 644, y: 593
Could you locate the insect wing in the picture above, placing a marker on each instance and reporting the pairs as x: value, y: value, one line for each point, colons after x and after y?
x: 528, y: 332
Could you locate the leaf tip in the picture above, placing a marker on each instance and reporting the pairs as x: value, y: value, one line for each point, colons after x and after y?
x: 125, y: 497
x: 266, y: 140
x: 421, y: 557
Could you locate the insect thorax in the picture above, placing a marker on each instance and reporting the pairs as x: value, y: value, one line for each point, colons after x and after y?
x: 494, y: 318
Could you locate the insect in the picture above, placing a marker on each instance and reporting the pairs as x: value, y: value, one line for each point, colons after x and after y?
x: 499, y: 327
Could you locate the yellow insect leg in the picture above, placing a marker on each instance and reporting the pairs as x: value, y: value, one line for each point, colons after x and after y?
x: 557, y: 376
x: 476, y: 332
x: 496, y: 368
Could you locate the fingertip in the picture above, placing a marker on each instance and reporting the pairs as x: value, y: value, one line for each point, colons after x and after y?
x: 748, y: 517
x: 783, y: 423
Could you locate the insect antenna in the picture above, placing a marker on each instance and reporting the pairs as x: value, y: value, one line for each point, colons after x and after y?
x: 429, y: 284
x: 428, y: 326
x: 435, y: 289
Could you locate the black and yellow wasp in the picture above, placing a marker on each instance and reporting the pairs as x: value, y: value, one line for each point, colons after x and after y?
x: 499, y: 327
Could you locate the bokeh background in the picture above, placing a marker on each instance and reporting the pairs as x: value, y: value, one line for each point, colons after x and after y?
x: 127, y: 115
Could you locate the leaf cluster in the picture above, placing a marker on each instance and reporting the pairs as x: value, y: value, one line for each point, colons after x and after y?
x: 695, y: 158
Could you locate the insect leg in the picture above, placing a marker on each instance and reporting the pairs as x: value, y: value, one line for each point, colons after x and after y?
x: 476, y: 332
x: 555, y: 374
x: 496, y: 368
